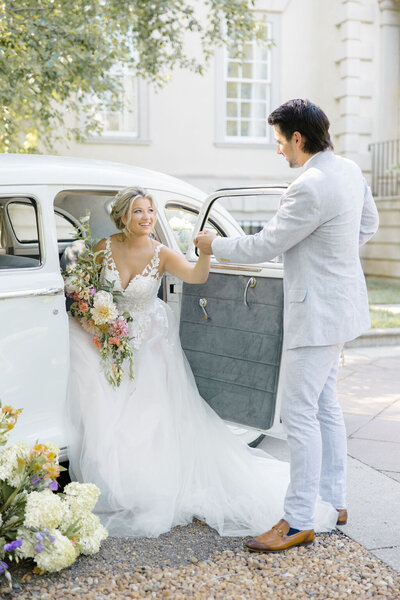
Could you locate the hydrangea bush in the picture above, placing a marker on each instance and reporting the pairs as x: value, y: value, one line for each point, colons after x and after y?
x: 35, y: 522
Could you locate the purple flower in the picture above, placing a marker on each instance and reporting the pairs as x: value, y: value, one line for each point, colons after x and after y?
x: 12, y: 545
x: 39, y: 536
x: 45, y: 530
x: 53, y: 485
x: 36, y: 479
x: 51, y: 538
x: 3, y: 567
x: 93, y: 291
x: 38, y: 548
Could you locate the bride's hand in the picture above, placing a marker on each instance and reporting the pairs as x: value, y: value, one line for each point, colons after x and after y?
x: 204, y: 241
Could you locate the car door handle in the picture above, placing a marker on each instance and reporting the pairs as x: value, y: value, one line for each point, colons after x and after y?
x: 203, y: 304
x: 252, y: 282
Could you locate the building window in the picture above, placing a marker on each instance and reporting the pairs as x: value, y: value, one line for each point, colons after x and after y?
x: 130, y: 121
x: 246, y: 95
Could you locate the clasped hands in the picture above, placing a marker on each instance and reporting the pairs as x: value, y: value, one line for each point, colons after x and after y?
x: 203, y: 241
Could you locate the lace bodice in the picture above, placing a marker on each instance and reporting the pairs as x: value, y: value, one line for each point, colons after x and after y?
x: 139, y: 298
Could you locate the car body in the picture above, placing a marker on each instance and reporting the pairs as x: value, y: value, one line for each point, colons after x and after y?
x: 41, y: 201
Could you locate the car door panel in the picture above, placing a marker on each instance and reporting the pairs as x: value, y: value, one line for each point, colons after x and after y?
x: 234, y: 348
x: 235, y: 354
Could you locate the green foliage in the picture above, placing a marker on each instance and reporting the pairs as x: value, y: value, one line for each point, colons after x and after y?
x: 55, y: 54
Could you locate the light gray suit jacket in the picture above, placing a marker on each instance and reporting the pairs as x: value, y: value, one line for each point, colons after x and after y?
x: 323, y: 217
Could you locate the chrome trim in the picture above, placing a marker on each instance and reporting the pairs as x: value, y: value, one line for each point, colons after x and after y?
x: 234, y: 267
x: 31, y: 293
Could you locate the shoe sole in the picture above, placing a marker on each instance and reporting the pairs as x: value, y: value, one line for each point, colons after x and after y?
x: 340, y: 523
x: 281, y: 550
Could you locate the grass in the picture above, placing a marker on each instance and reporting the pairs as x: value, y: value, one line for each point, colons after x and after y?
x: 382, y: 290
x: 383, y: 319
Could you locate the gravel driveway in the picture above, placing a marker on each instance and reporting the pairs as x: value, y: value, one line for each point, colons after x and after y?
x: 194, y: 562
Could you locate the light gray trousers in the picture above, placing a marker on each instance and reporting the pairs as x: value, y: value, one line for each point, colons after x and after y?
x: 315, y: 430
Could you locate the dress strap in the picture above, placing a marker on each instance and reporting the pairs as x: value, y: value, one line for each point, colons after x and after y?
x: 108, y: 257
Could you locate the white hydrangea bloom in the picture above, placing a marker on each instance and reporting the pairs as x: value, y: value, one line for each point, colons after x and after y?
x: 104, y: 310
x: 43, y: 509
x: 81, y: 496
x: 57, y: 555
x: 11, y: 470
x: 91, y: 534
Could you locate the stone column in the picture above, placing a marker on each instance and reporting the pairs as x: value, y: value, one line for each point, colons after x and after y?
x: 389, y: 63
x: 354, y: 51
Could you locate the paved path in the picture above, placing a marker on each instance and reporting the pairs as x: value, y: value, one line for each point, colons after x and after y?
x: 369, y: 392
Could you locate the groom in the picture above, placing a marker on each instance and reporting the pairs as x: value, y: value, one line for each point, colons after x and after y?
x: 323, y: 217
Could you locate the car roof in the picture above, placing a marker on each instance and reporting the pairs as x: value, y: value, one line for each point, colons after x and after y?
x: 35, y: 169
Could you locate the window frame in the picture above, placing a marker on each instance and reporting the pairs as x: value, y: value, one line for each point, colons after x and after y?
x: 221, y: 139
x: 142, y: 135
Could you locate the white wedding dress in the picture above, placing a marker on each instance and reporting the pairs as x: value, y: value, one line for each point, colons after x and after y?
x: 159, y: 454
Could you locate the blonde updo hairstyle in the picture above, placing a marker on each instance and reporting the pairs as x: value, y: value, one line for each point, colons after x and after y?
x: 123, y: 204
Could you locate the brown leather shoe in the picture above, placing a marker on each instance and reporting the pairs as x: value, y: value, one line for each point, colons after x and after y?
x: 342, y: 516
x: 276, y: 539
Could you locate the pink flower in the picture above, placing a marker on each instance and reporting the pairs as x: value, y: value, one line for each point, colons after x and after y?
x: 119, y: 327
x: 114, y: 340
x: 83, y: 306
x: 96, y: 341
x: 93, y: 291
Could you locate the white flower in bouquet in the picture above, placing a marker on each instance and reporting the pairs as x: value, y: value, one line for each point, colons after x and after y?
x: 43, y: 509
x: 81, y: 496
x: 104, y: 310
x: 57, y: 555
x: 91, y: 534
x: 12, y: 461
x: 71, y: 284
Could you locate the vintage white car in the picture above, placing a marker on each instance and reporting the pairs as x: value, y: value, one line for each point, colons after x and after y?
x: 231, y: 327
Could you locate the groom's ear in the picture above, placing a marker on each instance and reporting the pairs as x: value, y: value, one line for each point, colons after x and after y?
x: 298, y: 139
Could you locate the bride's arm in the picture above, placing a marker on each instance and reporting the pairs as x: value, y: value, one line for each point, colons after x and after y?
x: 178, y: 266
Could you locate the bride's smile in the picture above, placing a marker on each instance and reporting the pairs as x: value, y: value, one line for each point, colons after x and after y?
x: 141, y: 219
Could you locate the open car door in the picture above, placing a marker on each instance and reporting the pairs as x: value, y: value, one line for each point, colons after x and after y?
x: 231, y: 330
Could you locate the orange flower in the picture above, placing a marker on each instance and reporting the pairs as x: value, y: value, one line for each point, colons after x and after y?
x: 114, y: 341
x: 96, y: 341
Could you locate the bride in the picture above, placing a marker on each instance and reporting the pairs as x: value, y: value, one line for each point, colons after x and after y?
x: 159, y: 454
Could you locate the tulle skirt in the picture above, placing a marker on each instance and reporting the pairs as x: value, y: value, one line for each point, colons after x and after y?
x: 159, y: 454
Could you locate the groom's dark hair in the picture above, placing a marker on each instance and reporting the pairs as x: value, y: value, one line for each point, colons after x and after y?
x: 306, y: 118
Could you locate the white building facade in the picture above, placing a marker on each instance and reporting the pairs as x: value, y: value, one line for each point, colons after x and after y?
x: 211, y: 131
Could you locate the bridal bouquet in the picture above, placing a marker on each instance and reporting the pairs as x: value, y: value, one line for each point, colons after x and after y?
x: 35, y: 522
x: 96, y: 311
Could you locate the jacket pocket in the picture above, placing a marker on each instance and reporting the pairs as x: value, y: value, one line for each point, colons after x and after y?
x: 297, y: 295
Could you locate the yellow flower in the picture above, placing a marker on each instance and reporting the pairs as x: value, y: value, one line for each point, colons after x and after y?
x: 53, y: 471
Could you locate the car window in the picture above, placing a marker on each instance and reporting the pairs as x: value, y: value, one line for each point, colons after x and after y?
x: 182, y: 220
x: 252, y: 212
x: 22, y: 216
x: 66, y: 231
x: 20, y: 246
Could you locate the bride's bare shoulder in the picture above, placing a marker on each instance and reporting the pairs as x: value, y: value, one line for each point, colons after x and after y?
x: 101, y: 245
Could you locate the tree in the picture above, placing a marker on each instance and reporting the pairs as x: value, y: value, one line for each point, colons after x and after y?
x: 55, y: 54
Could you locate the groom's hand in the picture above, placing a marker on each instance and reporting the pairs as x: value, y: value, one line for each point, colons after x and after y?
x: 204, y: 240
